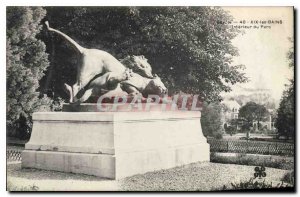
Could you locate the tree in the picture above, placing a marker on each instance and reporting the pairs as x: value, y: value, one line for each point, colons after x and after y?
x: 211, y: 119
x: 253, y: 112
x: 234, y: 125
x: 187, y: 46
x: 26, y: 62
x: 285, y: 121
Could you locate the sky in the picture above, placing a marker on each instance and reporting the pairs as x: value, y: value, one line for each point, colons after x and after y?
x: 263, y: 51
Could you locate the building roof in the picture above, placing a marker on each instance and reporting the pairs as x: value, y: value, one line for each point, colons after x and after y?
x: 231, y: 104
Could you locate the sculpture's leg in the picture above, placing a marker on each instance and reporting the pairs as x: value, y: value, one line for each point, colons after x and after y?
x: 113, y: 93
x: 69, y: 91
x: 109, y: 80
x: 130, y: 90
x: 76, y: 88
x: 81, y: 94
x: 84, y: 97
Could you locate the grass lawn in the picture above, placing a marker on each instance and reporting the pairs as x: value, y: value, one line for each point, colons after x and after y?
x: 202, y: 176
x: 273, y: 161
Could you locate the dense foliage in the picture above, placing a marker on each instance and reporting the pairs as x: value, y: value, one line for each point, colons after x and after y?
x: 285, y: 122
x: 289, y: 177
x: 25, y: 66
x: 211, y: 120
x: 187, y: 46
x: 253, y: 112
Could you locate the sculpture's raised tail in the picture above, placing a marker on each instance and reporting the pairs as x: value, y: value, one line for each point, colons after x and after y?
x: 74, y: 44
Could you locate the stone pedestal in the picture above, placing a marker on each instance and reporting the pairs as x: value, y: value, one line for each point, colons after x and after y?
x: 114, y: 144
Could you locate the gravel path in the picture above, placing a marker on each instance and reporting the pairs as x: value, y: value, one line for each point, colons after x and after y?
x: 201, y: 176
x: 198, y: 176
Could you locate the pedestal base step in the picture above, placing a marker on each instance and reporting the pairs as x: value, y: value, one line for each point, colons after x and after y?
x: 115, y: 166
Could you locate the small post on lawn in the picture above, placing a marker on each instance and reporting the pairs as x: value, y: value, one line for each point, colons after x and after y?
x: 228, y: 146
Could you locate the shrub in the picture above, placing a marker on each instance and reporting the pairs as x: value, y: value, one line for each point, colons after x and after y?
x: 211, y: 120
x: 289, y: 178
x: 230, y: 130
x: 26, y: 61
x: 218, y: 135
x: 251, y: 184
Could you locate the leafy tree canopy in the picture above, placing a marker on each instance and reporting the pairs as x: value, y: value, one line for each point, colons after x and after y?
x: 186, y: 46
x: 285, y: 122
x: 253, y: 112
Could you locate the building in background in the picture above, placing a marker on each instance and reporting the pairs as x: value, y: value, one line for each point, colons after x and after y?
x: 229, y: 112
x: 230, y: 109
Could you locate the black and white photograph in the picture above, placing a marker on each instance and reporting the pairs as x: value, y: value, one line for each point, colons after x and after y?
x: 150, y: 98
